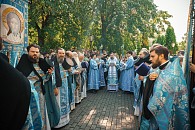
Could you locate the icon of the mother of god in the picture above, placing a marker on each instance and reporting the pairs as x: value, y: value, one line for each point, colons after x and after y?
x: 13, y: 23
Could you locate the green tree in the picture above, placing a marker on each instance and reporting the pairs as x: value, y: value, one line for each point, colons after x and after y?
x: 182, y: 44
x: 170, y: 39
x: 121, y: 19
x: 161, y: 39
x: 59, y: 23
x: 113, y: 23
x: 161, y: 20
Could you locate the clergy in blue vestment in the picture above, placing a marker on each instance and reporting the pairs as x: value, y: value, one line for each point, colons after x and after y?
x: 62, y: 88
x: 112, y: 65
x: 127, y: 83
x: 77, y: 77
x: 93, y: 75
x: 71, y: 80
x: 84, y: 66
x: 139, y: 84
x: 38, y: 72
x: 101, y: 73
x: 84, y: 83
x: 122, y: 70
x: 104, y: 58
x: 167, y: 106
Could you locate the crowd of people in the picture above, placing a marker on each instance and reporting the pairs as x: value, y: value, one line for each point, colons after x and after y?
x: 52, y: 84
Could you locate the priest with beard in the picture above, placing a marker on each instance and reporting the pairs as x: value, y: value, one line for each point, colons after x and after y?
x: 15, y: 95
x: 71, y: 63
x: 38, y: 72
x: 165, y: 100
x: 61, y: 74
x: 84, y: 66
x: 139, y: 80
x: 77, y: 77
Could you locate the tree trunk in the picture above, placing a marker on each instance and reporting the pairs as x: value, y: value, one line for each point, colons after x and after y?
x: 40, y: 35
x: 104, y: 26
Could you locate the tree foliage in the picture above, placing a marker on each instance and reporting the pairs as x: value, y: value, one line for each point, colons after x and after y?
x: 170, y: 39
x: 182, y: 44
x: 161, y: 40
x: 113, y: 23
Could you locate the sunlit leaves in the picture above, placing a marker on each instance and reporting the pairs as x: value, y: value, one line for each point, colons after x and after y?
x: 113, y: 23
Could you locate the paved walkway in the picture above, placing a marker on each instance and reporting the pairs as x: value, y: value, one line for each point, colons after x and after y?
x: 104, y: 110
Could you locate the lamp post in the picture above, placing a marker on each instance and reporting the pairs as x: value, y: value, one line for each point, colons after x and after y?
x: 91, y: 40
x: 173, y: 45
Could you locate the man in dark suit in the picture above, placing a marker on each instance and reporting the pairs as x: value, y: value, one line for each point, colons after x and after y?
x: 15, y: 96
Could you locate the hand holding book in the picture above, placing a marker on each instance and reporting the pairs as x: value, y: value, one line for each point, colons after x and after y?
x: 142, y: 69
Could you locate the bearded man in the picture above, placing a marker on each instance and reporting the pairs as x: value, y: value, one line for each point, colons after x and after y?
x: 70, y: 65
x: 139, y: 81
x: 61, y: 73
x: 165, y: 106
x: 38, y: 72
x: 84, y: 66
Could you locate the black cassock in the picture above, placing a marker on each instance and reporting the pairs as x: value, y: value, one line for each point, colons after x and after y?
x: 14, y: 96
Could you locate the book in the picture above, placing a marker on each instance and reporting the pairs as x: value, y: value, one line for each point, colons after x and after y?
x: 142, y: 69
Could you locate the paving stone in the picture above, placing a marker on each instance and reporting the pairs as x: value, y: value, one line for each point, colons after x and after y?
x: 87, y: 128
x: 83, y: 126
x: 104, y: 111
x: 97, y: 128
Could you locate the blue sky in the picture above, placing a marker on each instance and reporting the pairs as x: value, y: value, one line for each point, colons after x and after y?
x: 179, y: 9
